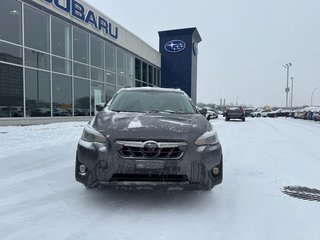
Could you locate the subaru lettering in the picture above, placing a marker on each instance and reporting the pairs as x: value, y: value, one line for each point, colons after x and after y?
x: 79, y: 11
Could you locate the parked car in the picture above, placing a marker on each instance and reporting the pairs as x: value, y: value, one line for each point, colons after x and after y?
x: 296, y: 113
x: 279, y: 113
x: 305, y: 113
x: 40, y: 112
x: 248, y: 111
x: 264, y: 113
x: 208, y: 113
x: 273, y: 114
x: 4, y: 111
x: 235, y: 112
x: 285, y: 113
x: 11, y: 111
x: 81, y: 112
x: 316, y: 116
x: 312, y: 112
x: 61, y: 112
x: 16, y: 111
x: 211, y: 114
x: 203, y: 111
x: 300, y: 113
x: 152, y: 138
x: 256, y: 113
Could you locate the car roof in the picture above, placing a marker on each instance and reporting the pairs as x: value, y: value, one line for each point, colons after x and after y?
x: 151, y: 89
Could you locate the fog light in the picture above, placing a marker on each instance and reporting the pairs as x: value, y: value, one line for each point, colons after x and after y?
x: 215, y: 171
x: 82, y: 168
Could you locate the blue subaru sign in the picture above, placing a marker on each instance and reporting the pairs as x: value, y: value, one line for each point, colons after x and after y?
x: 175, y: 46
x: 88, y: 16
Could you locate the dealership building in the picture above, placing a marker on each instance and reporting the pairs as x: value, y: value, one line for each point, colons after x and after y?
x: 59, y: 58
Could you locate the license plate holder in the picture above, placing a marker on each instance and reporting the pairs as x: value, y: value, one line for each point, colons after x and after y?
x: 149, y: 165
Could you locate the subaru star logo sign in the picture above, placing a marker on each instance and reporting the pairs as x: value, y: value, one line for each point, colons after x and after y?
x: 175, y: 46
x: 150, y: 146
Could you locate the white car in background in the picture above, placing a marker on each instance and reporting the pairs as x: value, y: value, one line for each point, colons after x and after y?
x: 265, y: 113
x: 211, y: 114
x: 256, y: 113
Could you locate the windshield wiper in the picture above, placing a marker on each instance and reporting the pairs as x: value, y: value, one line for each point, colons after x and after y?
x: 116, y: 110
x: 167, y: 111
x: 160, y: 111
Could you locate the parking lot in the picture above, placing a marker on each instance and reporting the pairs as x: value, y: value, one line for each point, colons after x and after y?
x: 40, y: 198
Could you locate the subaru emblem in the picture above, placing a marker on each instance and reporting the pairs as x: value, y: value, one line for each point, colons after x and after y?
x: 175, y: 46
x: 150, y: 146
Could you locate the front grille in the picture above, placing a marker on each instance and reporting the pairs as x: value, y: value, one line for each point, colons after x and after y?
x: 150, y: 149
x: 135, y: 152
x: 149, y: 178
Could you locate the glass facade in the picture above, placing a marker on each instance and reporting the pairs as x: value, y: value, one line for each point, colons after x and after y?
x: 38, y: 93
x: 52, y: 68
x: 36, y: 29
x: 37, y: 59
x: 97, y: 95
x: 11, y: 21
x: 10, y: 53
x: 81, y: 97
x: 61, y: 95
x: 61, y: 38
x: 11, y: 91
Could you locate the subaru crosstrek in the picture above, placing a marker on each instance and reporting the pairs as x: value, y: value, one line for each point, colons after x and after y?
x: 149, y: 138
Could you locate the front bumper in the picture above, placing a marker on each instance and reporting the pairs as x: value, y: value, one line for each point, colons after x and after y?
x: 105, y: 168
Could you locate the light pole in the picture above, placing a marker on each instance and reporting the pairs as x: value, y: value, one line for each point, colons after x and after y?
x: 287, y: 89
x: 291, y: 92
x: 313, y: 93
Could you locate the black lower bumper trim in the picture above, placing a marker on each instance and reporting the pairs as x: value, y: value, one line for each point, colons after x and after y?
x: 129, y: 185
x: 149, y: 178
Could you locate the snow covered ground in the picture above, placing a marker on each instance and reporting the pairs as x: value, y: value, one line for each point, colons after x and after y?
x: 39, y: 198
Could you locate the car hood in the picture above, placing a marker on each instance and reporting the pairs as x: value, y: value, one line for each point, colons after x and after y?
x: 151, y: 126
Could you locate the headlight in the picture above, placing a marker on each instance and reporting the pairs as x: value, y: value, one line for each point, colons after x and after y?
x: 208, y: 138
x: 89, y: 134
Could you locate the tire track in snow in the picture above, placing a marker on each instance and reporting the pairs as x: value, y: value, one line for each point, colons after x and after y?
x: 304, y: 193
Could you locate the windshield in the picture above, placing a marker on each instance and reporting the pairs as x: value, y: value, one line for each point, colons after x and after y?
x: 151, y: 101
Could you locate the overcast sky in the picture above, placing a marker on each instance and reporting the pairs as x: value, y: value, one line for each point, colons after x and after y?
x: 245, y: 44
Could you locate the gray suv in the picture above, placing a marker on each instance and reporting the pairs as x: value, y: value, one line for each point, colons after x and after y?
x: 235, y: 113
x: 149, y: 138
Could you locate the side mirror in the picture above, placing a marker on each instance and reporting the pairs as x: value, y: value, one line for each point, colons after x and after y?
x: 100, y: 107
x: 203, y: 111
